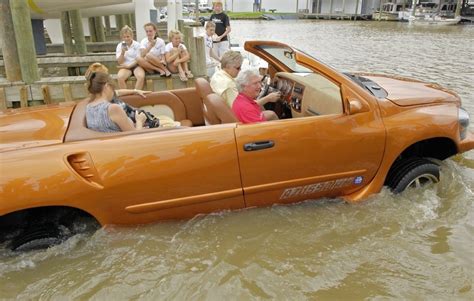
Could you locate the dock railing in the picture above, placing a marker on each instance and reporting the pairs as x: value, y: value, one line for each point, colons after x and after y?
x: 56, y: 89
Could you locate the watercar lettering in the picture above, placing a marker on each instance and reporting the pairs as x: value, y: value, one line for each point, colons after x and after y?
x: 317, y: 187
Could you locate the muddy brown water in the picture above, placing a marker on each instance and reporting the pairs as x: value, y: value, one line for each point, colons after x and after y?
x: 414, y: 246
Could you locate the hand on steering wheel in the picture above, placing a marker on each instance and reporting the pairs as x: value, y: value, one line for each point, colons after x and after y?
x: 265, y: 86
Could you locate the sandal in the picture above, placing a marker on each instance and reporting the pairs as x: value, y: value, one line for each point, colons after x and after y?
x: 183, y: 77
x: 167, y: 73
x: 189, y: 74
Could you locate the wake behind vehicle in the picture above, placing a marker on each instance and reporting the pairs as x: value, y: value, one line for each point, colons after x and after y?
x: 339, y: 135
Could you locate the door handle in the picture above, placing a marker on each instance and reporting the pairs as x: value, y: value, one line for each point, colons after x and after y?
x: 258, y: 145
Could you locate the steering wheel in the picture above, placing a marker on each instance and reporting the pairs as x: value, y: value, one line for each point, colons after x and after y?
x: 266, y: 81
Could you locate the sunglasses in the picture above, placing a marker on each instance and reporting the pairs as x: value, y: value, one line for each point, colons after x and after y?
x: 238, y: 68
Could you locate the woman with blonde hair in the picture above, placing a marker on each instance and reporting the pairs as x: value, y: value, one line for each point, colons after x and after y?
x: 177, y: 56
x: 127, y: 52
x: 152, y: 52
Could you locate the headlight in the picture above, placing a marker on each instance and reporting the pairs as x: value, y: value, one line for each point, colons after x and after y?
x: 463, y: 119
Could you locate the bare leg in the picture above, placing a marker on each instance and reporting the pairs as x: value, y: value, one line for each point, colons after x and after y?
x: 155, y: 61
x: 147, y: 66
x: 122, y: 76
x: 140, y: 75
x: 182, y: 74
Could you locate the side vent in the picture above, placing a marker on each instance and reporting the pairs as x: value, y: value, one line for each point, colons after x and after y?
x: 83, y: 166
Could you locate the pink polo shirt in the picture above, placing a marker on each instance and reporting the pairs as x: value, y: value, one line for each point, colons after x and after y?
x: 247, y: 110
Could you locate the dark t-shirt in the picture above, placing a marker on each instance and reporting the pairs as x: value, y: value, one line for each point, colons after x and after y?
x: 222, y: 21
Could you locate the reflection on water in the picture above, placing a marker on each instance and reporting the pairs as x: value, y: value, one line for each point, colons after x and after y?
x: 414, y: 246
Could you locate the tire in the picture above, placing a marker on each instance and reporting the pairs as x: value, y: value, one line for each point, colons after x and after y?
x: 412, y: 172
x: 35, y: 238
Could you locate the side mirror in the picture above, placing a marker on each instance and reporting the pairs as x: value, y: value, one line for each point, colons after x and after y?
x: 357, y: 106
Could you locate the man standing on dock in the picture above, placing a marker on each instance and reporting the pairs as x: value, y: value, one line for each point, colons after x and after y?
x: 222, y: 22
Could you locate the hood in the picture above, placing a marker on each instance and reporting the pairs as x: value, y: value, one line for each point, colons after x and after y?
x: 408, y: 92
x: 35, y: 126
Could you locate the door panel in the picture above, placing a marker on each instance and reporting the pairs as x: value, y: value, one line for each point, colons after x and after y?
x: 311, y: 157
x: 163, y: 175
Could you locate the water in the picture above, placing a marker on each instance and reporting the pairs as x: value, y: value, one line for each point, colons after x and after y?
x: 414, y: 246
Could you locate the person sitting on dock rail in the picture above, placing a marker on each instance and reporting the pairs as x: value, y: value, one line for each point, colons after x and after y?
x: 152, y: 52
x: 223, y: 81
x: 98, y: 67
x: 127, y: 52
x: 101, y: 114
x: 177, y: 56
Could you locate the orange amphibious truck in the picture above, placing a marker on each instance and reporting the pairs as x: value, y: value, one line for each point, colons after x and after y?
x: 339, y: 135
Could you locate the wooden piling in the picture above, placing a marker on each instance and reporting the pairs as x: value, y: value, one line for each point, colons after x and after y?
x: 119, y: 22
x: 46, y: 94
x: 20, y: 13
x: 201, y: 69
x: 67, y: 33
x: 99, y: 29
x: 24, y: 96
x: 67, y: 92
x: 78, y: 31
x: 128, y: 20
x: 132, y: 19
x: 108, y: 30
x: 8, y: 44
x: 3, y: 99
x: 181, y: 25
x: 92, y: 33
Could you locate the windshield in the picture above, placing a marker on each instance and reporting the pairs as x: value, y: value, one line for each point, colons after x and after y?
x: 285, y: 55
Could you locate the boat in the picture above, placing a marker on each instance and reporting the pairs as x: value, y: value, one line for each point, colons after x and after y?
x: 422, y: 10
x: 390, y: 12
x: 435, y: 20
x: 429, y: 10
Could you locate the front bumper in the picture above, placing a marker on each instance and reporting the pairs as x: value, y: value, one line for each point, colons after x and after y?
x: 467, y: 143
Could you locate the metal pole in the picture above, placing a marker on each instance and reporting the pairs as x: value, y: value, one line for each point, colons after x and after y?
x: 24, y: 40
x: 8, y: 43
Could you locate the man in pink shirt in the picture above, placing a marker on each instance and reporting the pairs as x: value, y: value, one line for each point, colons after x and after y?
x: 246, y: 107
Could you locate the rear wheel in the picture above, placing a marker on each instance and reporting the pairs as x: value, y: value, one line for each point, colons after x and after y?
x: 40, y: 237
x: 412, y: 172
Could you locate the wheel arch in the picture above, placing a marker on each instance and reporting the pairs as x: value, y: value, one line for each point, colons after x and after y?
x: 23, y: 218
x: 439, y: 148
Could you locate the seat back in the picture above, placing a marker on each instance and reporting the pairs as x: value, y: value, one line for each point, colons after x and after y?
x: 203, y: 89
x: 218, y: 111
x: 160, y: 103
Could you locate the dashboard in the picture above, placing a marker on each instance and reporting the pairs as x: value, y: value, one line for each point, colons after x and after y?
x: 308, y: 94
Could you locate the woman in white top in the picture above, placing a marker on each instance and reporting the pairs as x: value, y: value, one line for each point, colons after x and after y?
x: 177, y: 56
x: 127, y: 53
x: 212, y: 59
x: 152, y: 52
